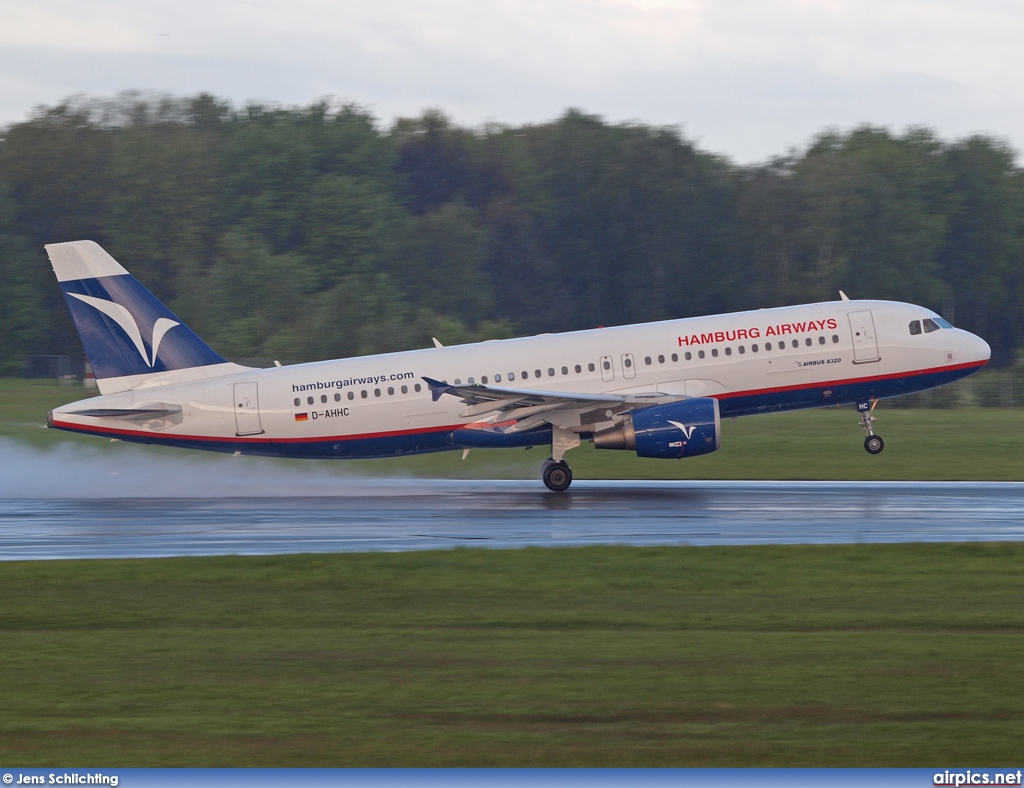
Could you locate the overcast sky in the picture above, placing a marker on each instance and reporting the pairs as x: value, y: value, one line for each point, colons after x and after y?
x: 746, y: 78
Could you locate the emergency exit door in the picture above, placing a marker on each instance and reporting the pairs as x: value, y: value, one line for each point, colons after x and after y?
x: 247, y: 410
x: 865, y: 343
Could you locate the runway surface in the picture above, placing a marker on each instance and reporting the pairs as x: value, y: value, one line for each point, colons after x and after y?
x: 402, y: 514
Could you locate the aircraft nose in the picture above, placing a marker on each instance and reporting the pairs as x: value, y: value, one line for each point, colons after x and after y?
x: 979, y: 348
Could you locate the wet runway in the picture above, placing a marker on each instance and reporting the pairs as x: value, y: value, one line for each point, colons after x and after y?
x: 402, y: 514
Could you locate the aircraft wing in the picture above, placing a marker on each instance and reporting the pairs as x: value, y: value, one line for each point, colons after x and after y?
x: 529, y: 408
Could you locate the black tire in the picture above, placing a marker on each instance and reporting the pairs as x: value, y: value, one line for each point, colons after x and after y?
x: 557, y: 476
x: 874, y: 444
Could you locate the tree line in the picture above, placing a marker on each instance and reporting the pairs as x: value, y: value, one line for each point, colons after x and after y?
x: 309, y: 233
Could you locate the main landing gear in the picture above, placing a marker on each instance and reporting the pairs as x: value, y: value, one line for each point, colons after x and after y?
x: 555, y: 471
x: 873, y: 444
x: 557, y: 475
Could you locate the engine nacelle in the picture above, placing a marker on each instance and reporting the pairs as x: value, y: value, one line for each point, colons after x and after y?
x: 680, y: 429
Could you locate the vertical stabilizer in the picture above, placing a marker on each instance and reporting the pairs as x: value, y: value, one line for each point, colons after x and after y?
x: 128, y: 335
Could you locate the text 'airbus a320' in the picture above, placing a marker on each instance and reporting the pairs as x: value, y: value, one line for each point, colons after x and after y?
x: 659, y: 389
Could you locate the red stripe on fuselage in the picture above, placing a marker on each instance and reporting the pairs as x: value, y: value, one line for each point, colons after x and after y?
x: 157, y: 437
x: 97, y: 430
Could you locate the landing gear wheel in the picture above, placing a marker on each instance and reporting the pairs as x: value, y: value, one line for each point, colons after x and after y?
x: 873, y: 444
x: 557, y: 475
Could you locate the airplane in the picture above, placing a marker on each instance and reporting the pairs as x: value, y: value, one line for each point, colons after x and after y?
x: 658, y: 389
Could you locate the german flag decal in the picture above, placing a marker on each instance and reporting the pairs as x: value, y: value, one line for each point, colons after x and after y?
x: 302, y: 417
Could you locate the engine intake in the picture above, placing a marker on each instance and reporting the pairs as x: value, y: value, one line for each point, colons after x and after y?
x: 681, y: 429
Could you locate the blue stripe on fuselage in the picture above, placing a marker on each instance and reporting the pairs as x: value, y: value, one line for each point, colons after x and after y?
x: 446, y: 438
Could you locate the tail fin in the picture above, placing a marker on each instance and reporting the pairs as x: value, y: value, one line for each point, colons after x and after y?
x: 128, y: 335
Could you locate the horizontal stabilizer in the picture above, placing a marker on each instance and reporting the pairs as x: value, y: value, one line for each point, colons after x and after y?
x: 141, y: 414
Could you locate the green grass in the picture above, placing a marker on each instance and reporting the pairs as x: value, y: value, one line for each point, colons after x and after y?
x: 964, y: 443
x: 860, y: 655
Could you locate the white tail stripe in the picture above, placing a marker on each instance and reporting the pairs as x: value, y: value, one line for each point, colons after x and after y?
x: 82, y: 260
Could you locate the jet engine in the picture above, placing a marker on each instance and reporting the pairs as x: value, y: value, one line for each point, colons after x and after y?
x: 687, y: 428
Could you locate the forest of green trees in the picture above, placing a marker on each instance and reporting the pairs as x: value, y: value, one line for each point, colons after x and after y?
x: 309, y: 233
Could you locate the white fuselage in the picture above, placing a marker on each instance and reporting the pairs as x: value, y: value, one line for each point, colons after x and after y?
x: 766, y: 360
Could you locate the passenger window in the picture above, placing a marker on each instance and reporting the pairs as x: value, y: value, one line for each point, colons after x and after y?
x: 796, y: 343
x: 742, y: 350
x: 590, y: 367
x: 565, y: 370
x: 405, y: 389
x: 351, y: 395
x: 579, y: 369
x: 417, y: 387
x: 458, y: 381
x: 297, y: 402
x: 688, y: 355
x: 835, y: 339
x: 309, y: 400
x: 930, y: 325
x: 484, y: 380
x: 767, y: 345
x: 607, y: 365
x: 628, y: 362
x: 700, y: 354
x: 551, y: 372
x: 661, y: 359
x: 471, y: 381
x: 753, y: 348
x: 376, y: 392
x: 536, y: 373
x: 497, y: 378
x: 714, y: 352
x: 337, y: 397
x: 511, y: 375
x: 647, y: 361
x: 391, y: 391
x: 728, y: 351
x: 363, y: 394
x: 525, y: 374
x: 821, y: 340
x: 675, y: 356
x: 807, y: 341
x: 323, y: 398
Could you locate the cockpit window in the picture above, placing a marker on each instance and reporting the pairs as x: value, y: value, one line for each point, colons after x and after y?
x: 943, y: 323
x: 930, y: 325
x: 915, y: 327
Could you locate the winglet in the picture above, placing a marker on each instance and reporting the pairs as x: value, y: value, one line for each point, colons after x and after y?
x: 843, y: 296
x: 437, y: 342
x: 438, y: 388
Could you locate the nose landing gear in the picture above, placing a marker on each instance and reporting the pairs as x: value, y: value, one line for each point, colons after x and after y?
x: 873, y: 444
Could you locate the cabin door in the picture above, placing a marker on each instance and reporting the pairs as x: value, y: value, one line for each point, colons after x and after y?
x: 247, y: 410
x: 865, y: 344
